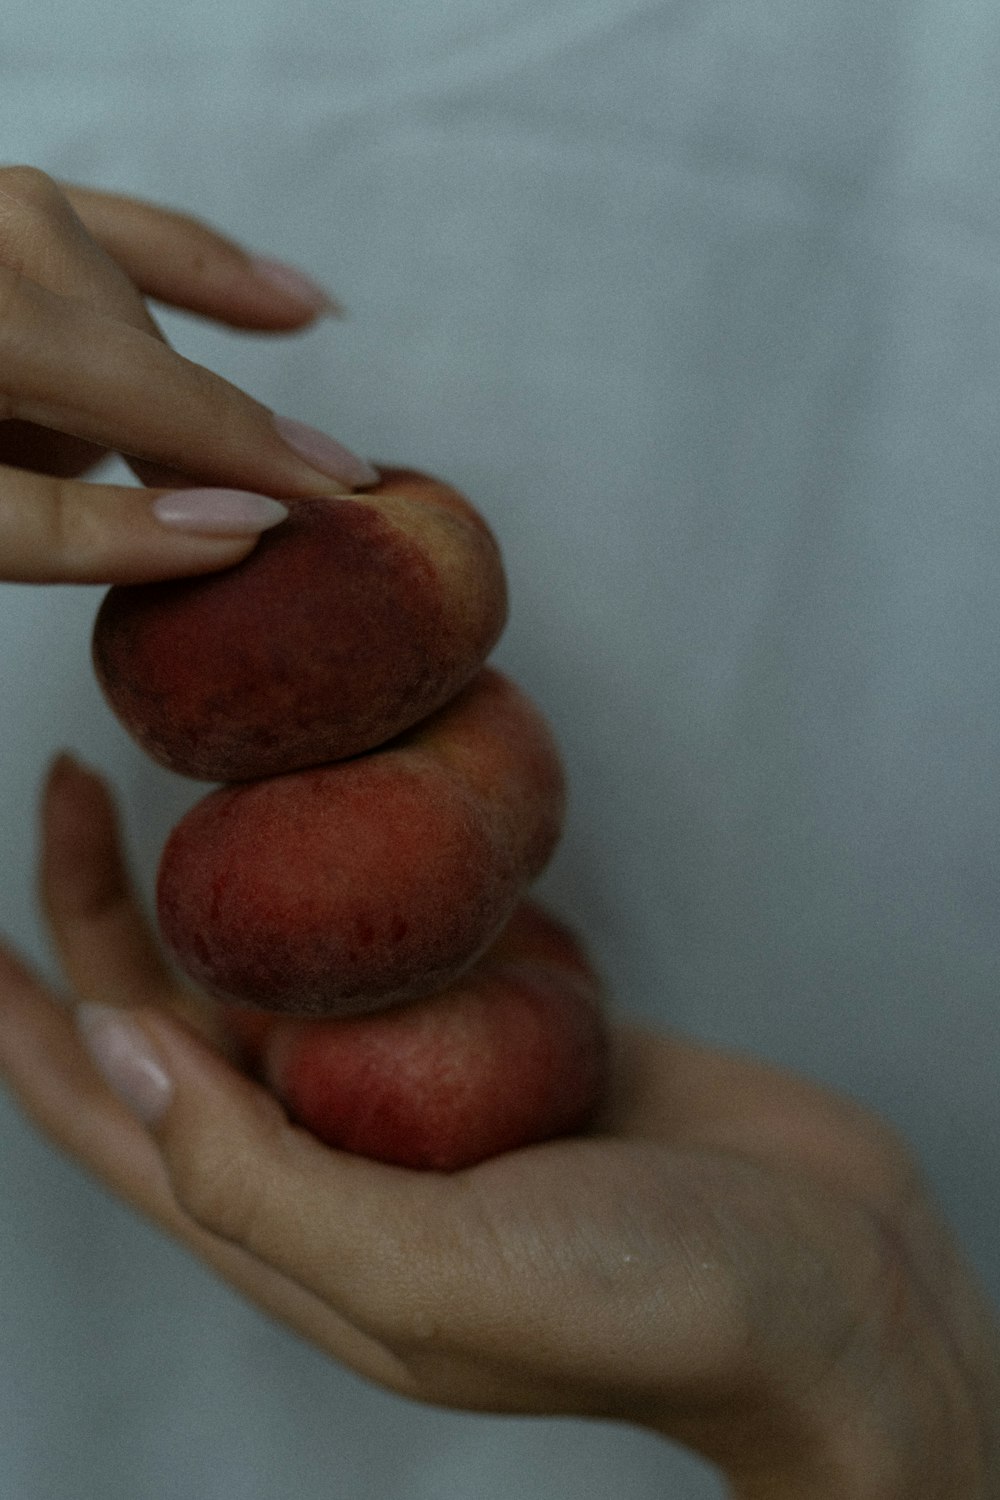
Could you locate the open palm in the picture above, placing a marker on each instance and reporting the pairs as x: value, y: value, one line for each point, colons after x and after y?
x: 734, y: 1256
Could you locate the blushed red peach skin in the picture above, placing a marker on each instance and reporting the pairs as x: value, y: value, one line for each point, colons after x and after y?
x: 352, y: 887
x: 348, y: 623
x: 511, y: 1055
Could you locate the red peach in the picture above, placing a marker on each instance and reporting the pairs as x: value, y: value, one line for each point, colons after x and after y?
x: 514, y: 1053
x: 352, y: 887
x: 348, y: 623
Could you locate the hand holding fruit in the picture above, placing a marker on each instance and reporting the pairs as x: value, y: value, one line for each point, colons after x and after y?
x: 84, y: 370
x: 732, y: 1256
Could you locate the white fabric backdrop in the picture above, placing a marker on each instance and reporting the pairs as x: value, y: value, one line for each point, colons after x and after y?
x: 700, y: 301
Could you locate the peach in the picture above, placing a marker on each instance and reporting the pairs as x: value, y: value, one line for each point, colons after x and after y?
x: 514, y: 1053
x: 351, y: 887
x: 347, y: 624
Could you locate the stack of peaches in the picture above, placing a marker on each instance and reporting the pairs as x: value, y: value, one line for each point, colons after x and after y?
x: 354, y: 894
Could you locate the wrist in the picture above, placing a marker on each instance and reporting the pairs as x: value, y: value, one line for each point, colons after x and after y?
x: 917, y: 1434
x: 924, y: 1427
x: 904, y: 1405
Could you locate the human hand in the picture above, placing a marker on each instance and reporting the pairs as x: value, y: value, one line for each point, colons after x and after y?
x: 734, y: 1257
x: 84, y: 370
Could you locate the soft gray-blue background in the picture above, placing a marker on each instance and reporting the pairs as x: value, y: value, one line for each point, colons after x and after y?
x: 701, y: 302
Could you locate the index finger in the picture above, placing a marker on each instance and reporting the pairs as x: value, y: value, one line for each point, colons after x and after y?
x: 66, y: 366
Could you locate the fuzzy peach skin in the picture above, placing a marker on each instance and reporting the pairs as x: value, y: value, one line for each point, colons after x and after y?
x: 513, y: 1054
x: 349, y: 623
x: 351, y: 887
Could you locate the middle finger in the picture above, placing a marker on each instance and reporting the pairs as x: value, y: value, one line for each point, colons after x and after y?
x: 68, y: 367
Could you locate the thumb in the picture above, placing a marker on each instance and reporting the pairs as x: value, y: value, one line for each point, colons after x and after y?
x: 354, y: 1232
x: 56, y: 530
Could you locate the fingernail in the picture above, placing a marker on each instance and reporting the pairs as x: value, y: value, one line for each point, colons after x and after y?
x: 296, y: 284
x: 326, y: 455
x: 125, y: 1060
x: 218, y: 512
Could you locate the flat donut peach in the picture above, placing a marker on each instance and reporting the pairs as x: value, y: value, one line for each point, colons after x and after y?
x: 347, y: 624
x: 514, y: 1053
x: 352, y: 887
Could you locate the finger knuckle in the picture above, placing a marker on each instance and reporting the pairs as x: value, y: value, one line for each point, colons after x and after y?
x: 218, y: 1190
x: 33, y: 207
x: 72, y: 527
x: 31, y: 191
x: 29, y: 184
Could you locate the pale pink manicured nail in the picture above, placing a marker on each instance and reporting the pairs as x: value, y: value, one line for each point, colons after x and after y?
x: 218, y: 512
x: 325, y: 454
x: 296, y: 284
x: 125, y: 1060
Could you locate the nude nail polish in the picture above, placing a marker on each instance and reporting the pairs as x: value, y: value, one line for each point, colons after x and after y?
x: 125, y: 1060
x: 325, y: 454
x: 218, y: 512
x: 296, y: 284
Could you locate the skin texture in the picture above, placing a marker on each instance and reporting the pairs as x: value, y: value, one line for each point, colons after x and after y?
x: 514, y: 1053
x: 351, y: 887
x: 348, y: 624
x: 84, y: 370
x: 732, y: 1256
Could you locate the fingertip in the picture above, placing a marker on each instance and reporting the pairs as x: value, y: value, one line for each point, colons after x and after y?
x: 218, y: 513
x: 150, y: 1059
x: 56, y: 803
x: 65, y: 767
x: 66, y: 781
x: 204, y: 1077
x: 304, y: 297
x: 62, y: 770
x: 80, y: 862
x: 116, y: 1045
x: 254, y: 293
